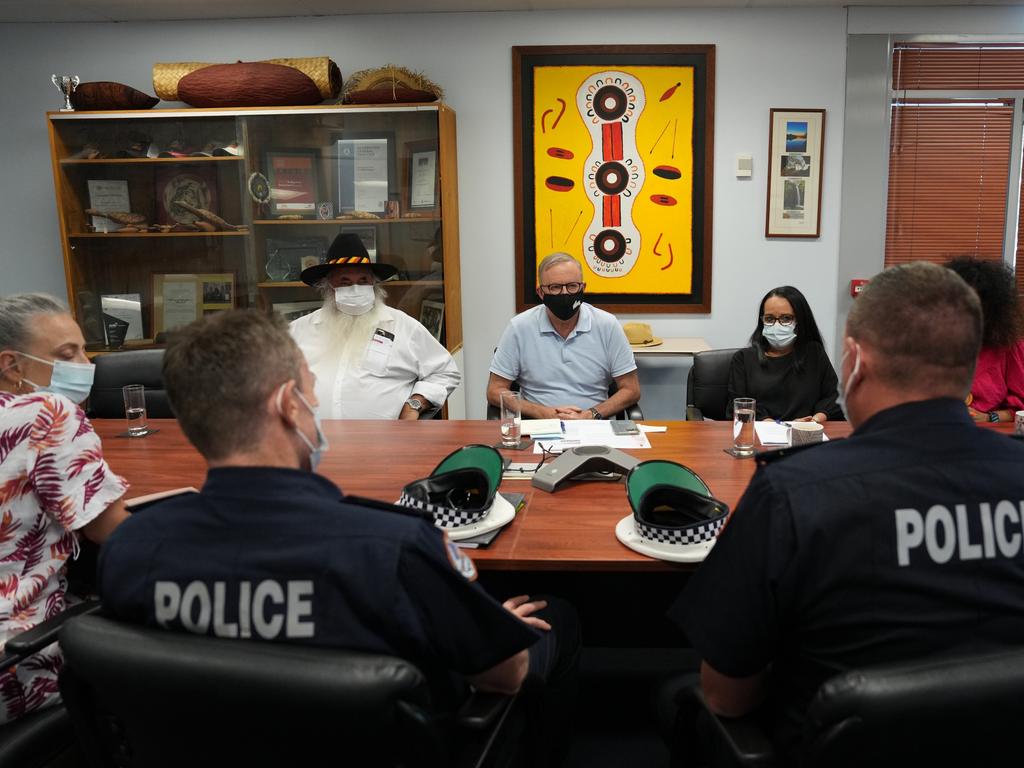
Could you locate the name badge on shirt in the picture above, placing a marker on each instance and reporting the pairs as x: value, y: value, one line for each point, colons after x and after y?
x: 378, y: 351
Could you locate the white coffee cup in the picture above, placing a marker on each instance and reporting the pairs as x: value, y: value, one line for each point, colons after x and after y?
x: 804, y: 432
x: 1018, y: 423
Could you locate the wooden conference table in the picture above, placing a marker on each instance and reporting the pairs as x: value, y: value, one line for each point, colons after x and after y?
x: 572, y: 529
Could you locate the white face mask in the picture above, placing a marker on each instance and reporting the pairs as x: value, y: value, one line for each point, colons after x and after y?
x: 845, y: 384
x: 316, y: 452
x: 354, y: 299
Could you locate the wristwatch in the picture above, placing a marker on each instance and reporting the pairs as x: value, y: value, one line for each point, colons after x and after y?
x: 993, y: 416
x: 596, y: 414
x: 415, y: 404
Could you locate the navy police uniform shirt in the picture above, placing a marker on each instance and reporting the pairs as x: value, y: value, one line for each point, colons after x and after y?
x: 901, y: 542
x: 278, y: 554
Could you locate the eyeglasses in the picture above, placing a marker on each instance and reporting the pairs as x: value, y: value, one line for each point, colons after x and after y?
x: 556, y: 288
x: 781, y: 319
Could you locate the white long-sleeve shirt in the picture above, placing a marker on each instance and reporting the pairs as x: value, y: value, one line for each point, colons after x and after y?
x: 402, y: 359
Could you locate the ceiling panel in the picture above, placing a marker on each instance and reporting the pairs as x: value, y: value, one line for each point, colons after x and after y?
x: 139, y: 10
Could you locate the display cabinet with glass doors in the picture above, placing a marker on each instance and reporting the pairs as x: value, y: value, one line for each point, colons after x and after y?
x: 169, y: 215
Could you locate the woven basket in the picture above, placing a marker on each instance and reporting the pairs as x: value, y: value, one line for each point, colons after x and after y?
x: 320, y: 69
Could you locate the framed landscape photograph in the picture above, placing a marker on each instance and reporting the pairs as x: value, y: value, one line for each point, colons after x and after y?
x: 613, y: 149
x: 294, y: 182
x: 796, y: 143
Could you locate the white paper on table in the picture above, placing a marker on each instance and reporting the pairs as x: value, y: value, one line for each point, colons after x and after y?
x: 651, y: 428
x: 541, y: 427
x: 772, y: 433
x: 588, y: 432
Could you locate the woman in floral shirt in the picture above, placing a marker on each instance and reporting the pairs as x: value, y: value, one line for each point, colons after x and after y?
x: 53, y: 482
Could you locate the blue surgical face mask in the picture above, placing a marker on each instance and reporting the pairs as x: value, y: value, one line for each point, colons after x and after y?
x: 778, y: 335
x: 73, y: 380
x: 316, y: 452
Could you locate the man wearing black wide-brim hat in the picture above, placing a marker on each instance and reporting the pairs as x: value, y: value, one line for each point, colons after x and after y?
x: 371, y: 361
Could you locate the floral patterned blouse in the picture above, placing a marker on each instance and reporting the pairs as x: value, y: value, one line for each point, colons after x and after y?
x: 53, y: 481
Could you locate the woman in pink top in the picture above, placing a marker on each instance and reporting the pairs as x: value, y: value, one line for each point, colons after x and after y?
x: 998, y: 388
x: 54, y: 483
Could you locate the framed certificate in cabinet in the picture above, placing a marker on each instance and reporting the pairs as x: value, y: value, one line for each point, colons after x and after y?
x: 180, y: 299
x: 294, y: 182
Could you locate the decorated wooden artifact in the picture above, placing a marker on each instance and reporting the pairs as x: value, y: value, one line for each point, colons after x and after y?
x: 103, y: 94
x: 390, y: 84
x: 274, y: 82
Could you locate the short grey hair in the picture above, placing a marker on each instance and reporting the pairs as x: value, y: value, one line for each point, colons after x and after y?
x: 553, y: 260
x: 17, y: 315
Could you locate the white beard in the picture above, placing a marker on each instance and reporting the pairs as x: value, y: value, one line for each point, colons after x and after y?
x: 349, y: 334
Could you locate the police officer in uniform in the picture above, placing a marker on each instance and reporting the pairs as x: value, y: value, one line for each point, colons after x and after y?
x: 901, y: 542
x: 270, y: 550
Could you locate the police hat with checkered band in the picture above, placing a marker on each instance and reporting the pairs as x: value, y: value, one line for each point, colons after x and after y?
x: 347, y: 250
x: 460, y: 490
x: 672, y: 505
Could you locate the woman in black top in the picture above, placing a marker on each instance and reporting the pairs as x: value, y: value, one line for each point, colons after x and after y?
x: 785, y: 368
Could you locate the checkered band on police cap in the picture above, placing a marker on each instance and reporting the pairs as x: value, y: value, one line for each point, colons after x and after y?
x: 445, y: 517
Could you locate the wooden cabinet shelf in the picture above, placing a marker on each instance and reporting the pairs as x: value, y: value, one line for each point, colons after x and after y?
x: 123, y: 235
x: 388, y: 284
x: 154, y: 281
x: 346, y: 221
x: 149, y: 160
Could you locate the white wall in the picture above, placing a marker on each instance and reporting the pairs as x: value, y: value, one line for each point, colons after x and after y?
x: 765, y: 58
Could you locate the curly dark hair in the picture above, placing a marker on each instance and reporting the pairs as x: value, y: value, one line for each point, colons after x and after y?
x: 806, y: 329
x: 997, y: 289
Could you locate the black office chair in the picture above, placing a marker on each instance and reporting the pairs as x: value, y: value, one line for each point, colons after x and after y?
x: 149, y: 697
x: 633, y: 412
x: 955, y: 711
x: 707, y: 385
x: 45, y: 736
x: 137, y: 366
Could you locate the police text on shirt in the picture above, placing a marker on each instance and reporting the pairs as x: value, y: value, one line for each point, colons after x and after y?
x: 945, y: 532
x: 264, y: 609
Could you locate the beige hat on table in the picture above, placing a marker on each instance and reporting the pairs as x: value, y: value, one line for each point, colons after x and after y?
x: 640, y: 335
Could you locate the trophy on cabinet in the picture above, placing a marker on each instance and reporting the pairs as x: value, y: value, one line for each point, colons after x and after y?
x: 66, y: 84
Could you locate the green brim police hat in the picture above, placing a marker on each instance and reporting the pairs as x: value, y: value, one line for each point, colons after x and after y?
x: 460, y: 490
x: 347, y: 250
x: 672, y: 505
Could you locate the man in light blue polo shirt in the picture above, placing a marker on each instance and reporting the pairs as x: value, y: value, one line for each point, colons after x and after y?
x: 565, y: 353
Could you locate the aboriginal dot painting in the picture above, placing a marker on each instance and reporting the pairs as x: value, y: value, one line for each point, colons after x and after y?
x: 617, y: 163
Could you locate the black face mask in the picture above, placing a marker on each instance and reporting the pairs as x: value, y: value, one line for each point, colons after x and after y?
x: 564, y: 306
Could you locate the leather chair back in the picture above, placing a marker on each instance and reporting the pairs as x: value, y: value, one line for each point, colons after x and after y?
x: 138, y: 366
x: 707, y: 384
x: 950, y: 712
x: 150, y: 697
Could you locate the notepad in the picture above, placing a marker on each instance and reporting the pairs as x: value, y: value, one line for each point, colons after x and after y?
x: 540, y: 427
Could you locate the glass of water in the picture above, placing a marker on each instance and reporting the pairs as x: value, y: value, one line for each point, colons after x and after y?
x: 744, y: 410
x: 135, y: 409
x: 511, y: 417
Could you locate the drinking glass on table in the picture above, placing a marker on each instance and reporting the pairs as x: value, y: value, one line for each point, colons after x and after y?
x: 511, y: 417
x: 744, y: 411
x: 135, y: 409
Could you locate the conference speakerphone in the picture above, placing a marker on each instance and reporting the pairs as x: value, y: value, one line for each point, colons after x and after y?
x: 582, y: 460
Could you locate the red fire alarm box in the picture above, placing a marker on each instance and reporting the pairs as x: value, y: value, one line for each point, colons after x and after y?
x: 856, y: 286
